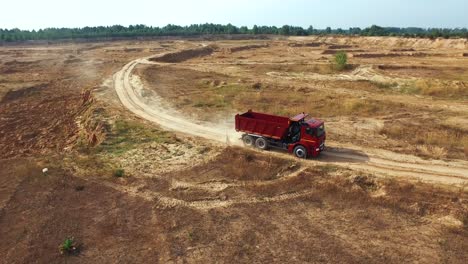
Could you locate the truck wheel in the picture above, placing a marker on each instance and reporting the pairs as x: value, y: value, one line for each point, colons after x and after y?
x: 248, y: 140
x: 300, y: 152
x: 261, y: 143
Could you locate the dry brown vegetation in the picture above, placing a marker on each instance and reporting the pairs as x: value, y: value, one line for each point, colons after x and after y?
x: 129, y: 191
x: 431, y: 140
x: 337, y: 215
x: 265, y: 79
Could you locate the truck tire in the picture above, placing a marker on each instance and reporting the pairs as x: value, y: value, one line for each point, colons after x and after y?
x: 248, y: 140
x: 261, y: 143
x: 300, y: 152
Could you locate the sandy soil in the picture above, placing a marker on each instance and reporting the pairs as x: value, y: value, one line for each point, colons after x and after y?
x: 131, y: 93
x: 167, y: 183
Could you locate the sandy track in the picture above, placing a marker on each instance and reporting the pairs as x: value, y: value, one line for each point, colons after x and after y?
x: 132, y: 98
x: 384, y: 164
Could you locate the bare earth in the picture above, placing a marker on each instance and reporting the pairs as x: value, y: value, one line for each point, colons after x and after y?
x: 145, y: 166
x: 132, y: 95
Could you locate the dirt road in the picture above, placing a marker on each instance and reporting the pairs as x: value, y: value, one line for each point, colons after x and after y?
x: 383, y: 163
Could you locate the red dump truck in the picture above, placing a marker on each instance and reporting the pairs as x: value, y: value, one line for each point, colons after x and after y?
x: 304, y: 138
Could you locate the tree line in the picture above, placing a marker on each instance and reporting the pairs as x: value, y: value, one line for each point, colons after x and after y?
x: 13, y: 35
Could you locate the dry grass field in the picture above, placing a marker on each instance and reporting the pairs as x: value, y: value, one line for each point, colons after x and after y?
x: 391, y: 188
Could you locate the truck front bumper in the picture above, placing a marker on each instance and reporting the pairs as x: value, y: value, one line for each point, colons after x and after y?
x: 321, y: 147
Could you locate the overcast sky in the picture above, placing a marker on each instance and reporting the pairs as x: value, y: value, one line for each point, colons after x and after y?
x: 35, y: 14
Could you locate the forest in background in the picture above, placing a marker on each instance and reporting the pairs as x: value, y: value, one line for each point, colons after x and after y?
x: 15, y: 35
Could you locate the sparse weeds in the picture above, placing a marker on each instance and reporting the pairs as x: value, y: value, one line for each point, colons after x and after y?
x: 193, y: 236
x: 125, y: 135
x: 68, y: 246
x: 203, y: 149
x: 436, y: 88
x: 435, y: 141
x: 93, y: 162
x: 365, y: 182
x: 359, y: 105
x: 386, y: 85
x: 328, y: 168
x: 410, y: 89
x: 432, y: 151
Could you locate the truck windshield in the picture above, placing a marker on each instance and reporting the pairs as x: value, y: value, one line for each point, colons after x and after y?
x: 316, y: 132
x: 320, y: 130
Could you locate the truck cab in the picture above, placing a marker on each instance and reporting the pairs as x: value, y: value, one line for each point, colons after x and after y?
x: 310, y: 138
x: 307, y: 137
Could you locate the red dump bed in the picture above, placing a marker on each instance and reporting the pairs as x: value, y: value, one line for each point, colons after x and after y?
x: 262, y: 124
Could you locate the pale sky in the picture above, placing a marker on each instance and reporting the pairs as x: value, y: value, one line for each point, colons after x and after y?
x: 35, y: 14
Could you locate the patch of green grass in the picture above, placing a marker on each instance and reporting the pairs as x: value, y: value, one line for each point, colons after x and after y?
x: 410, y: 89
x: 220, y: 97
x: 126, y: 135
x: 385, y: 85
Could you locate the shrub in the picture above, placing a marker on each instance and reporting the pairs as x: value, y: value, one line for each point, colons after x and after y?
x: 68, y: 246
x: 119, y: 173
x: 341, y: 60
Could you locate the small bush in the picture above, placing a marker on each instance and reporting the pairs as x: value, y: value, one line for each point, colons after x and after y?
x: 365, y: 182
x: 257, y: 86
x: 341, y: 61
x: 68, y: 246
x: 119, y: 173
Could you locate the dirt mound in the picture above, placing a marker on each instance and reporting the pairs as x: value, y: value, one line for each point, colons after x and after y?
x: 242, y: 48
x: 400, y: 67
x: 13, y: 95
x: 340, y: 46
x: 36, y: 119
x: 389, y: 42
x: 335, y: 51
x: 184, y: 55
x: 306, y: 44
x: 395, y: 54
x: 72, y: 59
x: 133, y: 49
x: 16, y: 66
x: 403, y: 50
